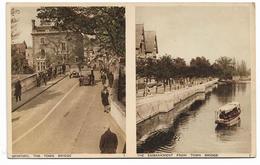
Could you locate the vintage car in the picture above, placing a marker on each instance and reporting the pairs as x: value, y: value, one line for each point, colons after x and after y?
x: 74, y: 71
x: 85, y: 76
x: 228, y: 115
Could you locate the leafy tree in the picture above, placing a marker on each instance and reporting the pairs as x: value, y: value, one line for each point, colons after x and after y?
x: 179, y: 67
x: 107, y: 23
x: 226, y: 65
x: 242, y: 69
x: 200, y: 66
x: 164, y: 68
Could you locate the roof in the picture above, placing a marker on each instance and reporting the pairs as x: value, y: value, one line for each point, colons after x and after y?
x: 150, y: 41
x: 228, y: 107
x: 139, y: 28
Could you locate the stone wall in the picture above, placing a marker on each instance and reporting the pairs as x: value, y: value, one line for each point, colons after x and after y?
x: 151, y: 105
x: 158, y: 112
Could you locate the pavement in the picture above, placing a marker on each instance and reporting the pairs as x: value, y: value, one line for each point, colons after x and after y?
x: 34, y: 92
x: 64, y: 119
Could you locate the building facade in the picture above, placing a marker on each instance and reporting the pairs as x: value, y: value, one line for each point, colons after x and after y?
x: 52, y: 46
x: 146, y: 43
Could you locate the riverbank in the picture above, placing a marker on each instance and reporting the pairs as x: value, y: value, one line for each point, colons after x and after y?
x: 149, y: 106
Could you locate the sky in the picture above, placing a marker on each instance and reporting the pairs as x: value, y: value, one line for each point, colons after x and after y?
x: 183, y: 30
x: 24, y: 25
x: 189, y: 31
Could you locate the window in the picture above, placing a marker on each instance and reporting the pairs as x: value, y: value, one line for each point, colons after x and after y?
x: 42, y: 53
x: 39, y: 66
x: 63, y: 46
x: 42, y: 41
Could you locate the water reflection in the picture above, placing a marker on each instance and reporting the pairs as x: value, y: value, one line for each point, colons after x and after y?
x: 195, y: 131
x: 226, y: 133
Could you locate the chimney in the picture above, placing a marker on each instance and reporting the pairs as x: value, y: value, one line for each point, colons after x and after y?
x: 33, y: 24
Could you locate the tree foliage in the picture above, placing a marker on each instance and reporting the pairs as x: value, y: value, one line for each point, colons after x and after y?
x: 167, y: 67
x: 106, y: 23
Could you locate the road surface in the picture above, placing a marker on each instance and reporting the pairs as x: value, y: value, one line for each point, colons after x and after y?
x: 64, y: 119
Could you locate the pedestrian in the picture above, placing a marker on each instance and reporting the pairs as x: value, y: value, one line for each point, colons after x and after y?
x: 55, y: 72
x: 44, y: 77
x: 92, y: 77
x: 110, y: 79
x: 108, y: 142
x: 104, y: 99
x: 18, y: 91
x: 38, y: 80
x: 63, y: 68
x: 103, y: 78
x: 50, y: 72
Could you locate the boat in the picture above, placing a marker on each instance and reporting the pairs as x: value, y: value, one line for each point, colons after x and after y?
x: 228, y: 115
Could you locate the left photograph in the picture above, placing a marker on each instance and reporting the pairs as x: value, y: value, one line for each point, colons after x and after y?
x: 66, y: 79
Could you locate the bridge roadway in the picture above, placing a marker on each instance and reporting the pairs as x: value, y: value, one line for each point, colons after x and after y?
x: 65, y: 118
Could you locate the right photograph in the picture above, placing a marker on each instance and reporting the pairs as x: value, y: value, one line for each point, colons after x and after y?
x: 195, y: 78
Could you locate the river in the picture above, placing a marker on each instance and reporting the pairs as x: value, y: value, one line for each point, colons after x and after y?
x: 194, y: 131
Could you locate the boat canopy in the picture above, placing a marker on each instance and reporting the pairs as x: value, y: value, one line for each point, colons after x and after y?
x: 229, y: 107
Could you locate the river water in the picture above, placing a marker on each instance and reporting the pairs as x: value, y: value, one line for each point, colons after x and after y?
x: 195, y: 131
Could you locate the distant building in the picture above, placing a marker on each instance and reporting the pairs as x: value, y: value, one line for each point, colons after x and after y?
x: 151, y: 48
x: 139, y: 43
x: 54, y: 46
x: 29, y: 56
x: 20, y: 64
x: 19, y: 48
x: 146, y: 42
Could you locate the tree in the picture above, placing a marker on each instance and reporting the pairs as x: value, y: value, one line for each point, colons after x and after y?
x: 226, y: 66
x: 164, y: 69
x: 242, y: 69
x: 179, y: 67
x: 200, y: 66
x: 106, y: 23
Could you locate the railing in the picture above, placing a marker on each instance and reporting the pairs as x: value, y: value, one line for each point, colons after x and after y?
x: 143, y: 92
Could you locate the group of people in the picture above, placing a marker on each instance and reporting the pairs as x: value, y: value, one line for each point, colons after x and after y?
x: 108, y: 142
x: 50, y: 73
x: 105, y: 75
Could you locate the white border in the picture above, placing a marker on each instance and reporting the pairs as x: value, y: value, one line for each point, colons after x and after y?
x: 3, y: 126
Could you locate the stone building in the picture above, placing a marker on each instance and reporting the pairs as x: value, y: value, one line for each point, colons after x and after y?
x: 146, y: 42
x: 52, y: 46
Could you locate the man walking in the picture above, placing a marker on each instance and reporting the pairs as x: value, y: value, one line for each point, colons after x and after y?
x: 44, y: 77
x: 18, y: 91
x: 63, y: 68
x: 104, y: 99
x: 110, y: 79
x: 103, y: 78
x: 108, y: 142
x: 92, y: 79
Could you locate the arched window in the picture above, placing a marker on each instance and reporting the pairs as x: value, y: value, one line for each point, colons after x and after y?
x: 42, y: 53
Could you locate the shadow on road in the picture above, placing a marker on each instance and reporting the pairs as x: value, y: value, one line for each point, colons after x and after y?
x: 41, y: 99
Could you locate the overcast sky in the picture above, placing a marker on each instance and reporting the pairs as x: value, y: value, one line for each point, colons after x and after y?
x: 24, y: 25
x: 188, y: 31
x: 185, y: 31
